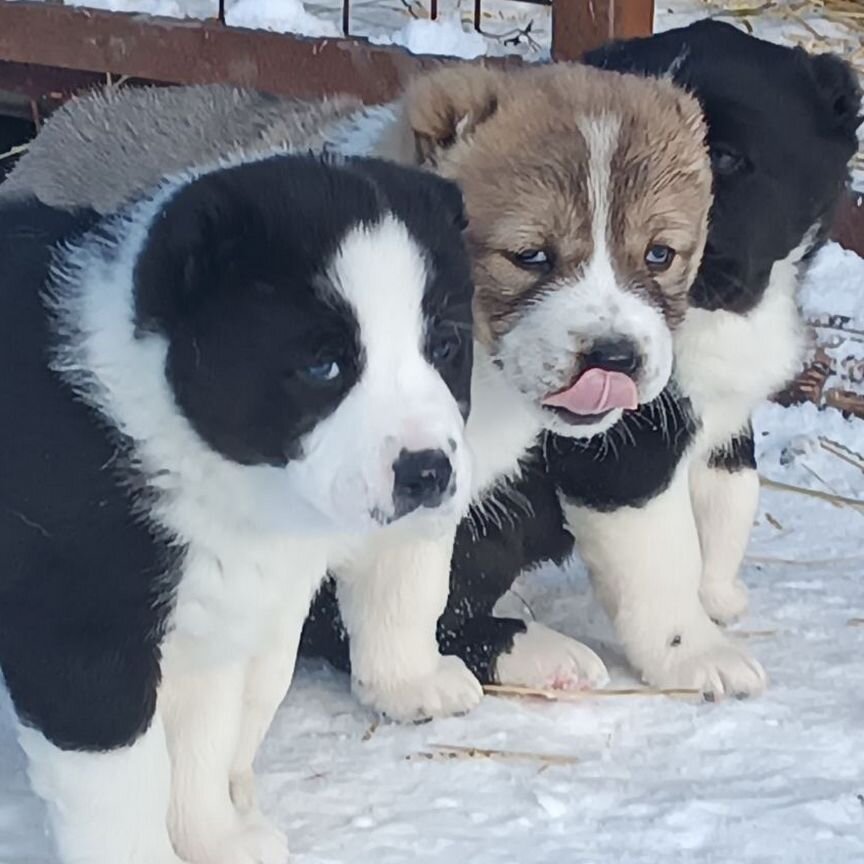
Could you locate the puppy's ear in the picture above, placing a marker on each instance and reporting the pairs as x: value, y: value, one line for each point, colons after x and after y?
x: 446, y: 106
x: 181, y: 256
x: 840, y: 90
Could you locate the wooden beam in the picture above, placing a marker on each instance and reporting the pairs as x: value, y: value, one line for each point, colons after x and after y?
x: 581, y: 25
x: 202, y: 52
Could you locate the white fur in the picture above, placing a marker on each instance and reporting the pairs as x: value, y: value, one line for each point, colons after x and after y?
x: 258, y: 541
x: 268, y: 676
x: 646, y: 567
x: 726, y: 363
x: 725, y: 505
x: 203, y: 712
x: 105, y: 807
x: 540, y: 353
x: 501, y: 427
x: 391, y: 599
x: 543, y: 658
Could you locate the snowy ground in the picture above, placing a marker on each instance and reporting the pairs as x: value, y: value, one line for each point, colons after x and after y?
x: 780, y: 778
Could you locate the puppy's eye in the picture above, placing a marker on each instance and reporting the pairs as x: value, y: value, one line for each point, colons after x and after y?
x: 323, y: 372
x: 659, y: 257
x: 532, y: 259
x: 725, y: 160
x: 443, y: 347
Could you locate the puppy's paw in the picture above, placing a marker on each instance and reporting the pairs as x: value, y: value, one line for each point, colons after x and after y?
x: 254, y: 841
x: 543, y: 659
x: 450, y: 689
x: 724, y: 601
x: 717, y: 667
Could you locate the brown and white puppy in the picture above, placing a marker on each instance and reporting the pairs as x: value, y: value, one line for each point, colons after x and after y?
x: 586, y: 197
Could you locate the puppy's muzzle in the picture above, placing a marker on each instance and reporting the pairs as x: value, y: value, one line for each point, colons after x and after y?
x: 421, y: 478
x: 614, y: 355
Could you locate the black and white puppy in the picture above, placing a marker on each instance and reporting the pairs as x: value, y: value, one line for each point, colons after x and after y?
x: 249, y: 375
x: 662, y: 508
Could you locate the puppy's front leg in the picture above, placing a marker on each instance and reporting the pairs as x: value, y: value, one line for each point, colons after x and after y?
x: 268, y: 677
x: 646, y: 566
x: 105, y: 807
x: 391, y: 596
x: 725, y: 492
x: 202, y: 708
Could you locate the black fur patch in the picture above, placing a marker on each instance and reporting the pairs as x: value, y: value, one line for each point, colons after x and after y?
x: 80, y: 617
x: 629, y: 465
x: 738, y: 454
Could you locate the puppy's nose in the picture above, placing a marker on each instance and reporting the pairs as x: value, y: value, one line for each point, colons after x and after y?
x: 421, y: 478
x: 614, y: 355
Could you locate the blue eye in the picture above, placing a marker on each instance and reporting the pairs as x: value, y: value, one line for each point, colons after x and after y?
x: 532, y: 258
x: 659, y: 257
x: 328, y: 370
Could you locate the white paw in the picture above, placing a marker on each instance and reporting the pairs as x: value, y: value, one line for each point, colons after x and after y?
x: 254, y: 842
x: 450, y: 689
x: 542, y: 658
x: 718, y: 668
x: 724, y: 601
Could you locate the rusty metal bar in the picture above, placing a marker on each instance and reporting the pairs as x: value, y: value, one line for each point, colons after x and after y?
x: 848, y: 229
x: 580, y: 25
x: 200, y: 52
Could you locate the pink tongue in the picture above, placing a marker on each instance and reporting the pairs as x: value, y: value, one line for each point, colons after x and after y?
x: 595, y: 392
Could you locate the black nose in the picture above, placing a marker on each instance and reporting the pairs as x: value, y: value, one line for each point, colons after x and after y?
x: 614, y: 355
x: 421, y: 478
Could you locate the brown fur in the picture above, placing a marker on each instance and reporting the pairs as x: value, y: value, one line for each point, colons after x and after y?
x: 514, y: 142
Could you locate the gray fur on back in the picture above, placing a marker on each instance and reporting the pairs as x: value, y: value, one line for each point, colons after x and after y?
x: 102, y: 148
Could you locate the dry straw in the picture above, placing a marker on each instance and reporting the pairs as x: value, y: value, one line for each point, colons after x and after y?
x: 512, y: 691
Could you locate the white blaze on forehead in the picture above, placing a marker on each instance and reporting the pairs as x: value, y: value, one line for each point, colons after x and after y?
x: 382, y: 273
x: 600, y: 133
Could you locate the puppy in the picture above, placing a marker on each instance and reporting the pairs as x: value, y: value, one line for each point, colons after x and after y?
x: 664, y: 543
x: 250, y: 374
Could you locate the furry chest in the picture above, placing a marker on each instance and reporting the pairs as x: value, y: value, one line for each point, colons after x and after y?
x: 230, y: 601
x: 728, y: 363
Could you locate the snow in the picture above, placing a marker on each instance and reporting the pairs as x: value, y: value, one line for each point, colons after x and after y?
x: 445, y: 36
x: 655, y: 779
x: 283, y: 16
